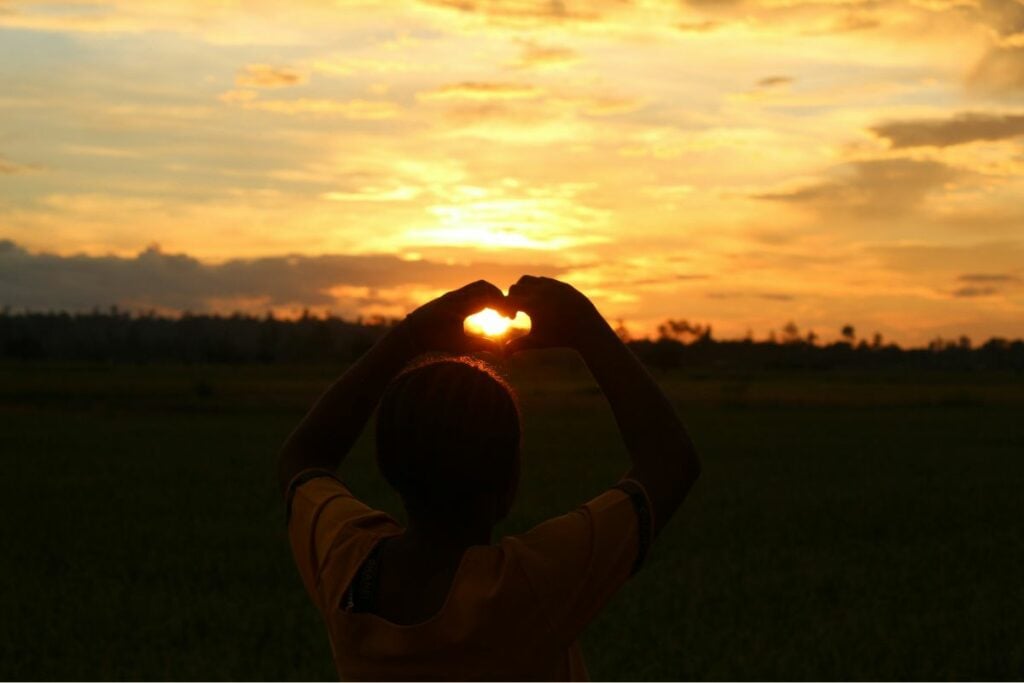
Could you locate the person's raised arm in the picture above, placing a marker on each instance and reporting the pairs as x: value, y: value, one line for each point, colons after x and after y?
x: 328, y: 431
x: 664, y: 460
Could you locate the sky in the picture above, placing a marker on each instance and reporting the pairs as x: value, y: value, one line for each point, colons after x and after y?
x: 742, y: 163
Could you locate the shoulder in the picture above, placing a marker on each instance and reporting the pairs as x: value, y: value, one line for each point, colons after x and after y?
x: 330, y: 530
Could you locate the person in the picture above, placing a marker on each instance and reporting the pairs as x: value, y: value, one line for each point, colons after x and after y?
x: 438, y: 599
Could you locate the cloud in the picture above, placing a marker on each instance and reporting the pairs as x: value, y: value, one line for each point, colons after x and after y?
x: 703, y: 26
x: 154, y: 279
x: 11, y: 168
x: 528, y: 11
x: 1000, y: 70
x: 474, y: 90
x: 774, y: 81
x: 871, y: 187
x: 988, y: 277
x: 956, y: 130
x: 356, y: 110
x: 966, y: 292
x: 984, y: 284
x: 965, y: 263
x: 537, y: 56
x: 267, y: 76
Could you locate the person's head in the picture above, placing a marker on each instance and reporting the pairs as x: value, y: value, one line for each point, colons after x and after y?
x: 448, y: 433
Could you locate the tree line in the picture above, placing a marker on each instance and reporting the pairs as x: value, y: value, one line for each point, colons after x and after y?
x: 119, y: 336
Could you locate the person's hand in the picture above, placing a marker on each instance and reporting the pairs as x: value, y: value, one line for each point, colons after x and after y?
x: 560, y: 316
x: 438, y: 324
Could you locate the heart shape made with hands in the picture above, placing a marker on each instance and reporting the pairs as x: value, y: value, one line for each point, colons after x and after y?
x: 489, y: 323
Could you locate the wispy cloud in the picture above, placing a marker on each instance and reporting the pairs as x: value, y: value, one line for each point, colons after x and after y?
x: 267, y: 76
x: 475, y: 90
x: 8, y: 167
x: 1001, y: 70
x: 537, y: 56
x: 356, y: 109
x: 875, y: 187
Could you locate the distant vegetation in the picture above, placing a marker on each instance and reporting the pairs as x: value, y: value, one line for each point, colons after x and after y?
x: 114, y: 335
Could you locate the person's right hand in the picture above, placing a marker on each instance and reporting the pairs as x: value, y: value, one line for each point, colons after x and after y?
x: 560, y: 316
x: 438, y: 325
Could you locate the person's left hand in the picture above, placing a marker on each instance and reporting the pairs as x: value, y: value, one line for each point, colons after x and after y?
x: 438, y: 325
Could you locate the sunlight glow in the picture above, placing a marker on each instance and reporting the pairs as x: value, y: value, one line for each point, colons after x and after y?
x: 490, y: 323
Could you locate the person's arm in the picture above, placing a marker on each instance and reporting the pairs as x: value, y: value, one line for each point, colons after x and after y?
x: 326, y: 434
x: 664, y: 460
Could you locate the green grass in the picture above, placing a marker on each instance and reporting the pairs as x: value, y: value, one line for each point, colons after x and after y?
x: 845, y: 527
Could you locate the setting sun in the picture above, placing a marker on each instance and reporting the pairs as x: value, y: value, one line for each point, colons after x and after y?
x: 490, y: 323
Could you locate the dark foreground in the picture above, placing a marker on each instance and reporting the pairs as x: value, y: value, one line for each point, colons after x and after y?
x: 845, y: 526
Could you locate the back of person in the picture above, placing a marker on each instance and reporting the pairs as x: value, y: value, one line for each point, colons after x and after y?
x: 513, y: 610
x: 438, y: 599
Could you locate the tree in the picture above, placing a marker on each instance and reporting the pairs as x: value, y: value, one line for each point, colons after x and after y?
x: 848, y: 333
x: 684, y: 331
x: 790, y: 333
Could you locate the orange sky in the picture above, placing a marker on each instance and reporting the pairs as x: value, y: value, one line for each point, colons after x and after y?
x: 743, y: 163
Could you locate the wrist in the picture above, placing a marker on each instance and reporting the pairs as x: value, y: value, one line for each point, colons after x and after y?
x: 401, y: 342
x: 595, y: 336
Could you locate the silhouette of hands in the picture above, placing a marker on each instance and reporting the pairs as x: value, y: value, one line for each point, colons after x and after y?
x: 560, y: 315
x: 438, y: 325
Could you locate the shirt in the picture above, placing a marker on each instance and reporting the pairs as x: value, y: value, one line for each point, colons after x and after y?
x: 514, y: 610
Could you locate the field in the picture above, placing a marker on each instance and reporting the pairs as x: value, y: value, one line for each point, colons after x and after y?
x: 846, y: 526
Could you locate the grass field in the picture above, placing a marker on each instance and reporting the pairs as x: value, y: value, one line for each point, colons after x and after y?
x: 845, y: 526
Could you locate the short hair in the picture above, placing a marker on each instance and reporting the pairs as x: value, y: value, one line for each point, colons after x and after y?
x: 448, y: 432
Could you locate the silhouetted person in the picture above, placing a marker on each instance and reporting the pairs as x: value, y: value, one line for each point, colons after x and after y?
x: 438, y: 600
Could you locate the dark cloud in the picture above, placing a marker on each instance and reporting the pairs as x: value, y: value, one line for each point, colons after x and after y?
x: 774, y: 81
x: 871, y: 187
x: 967, y: 292
x: 984, y: 284
x: 988, y: 277
x: 959, y: 129
x: 179, y: 282
x: 1006, y: 17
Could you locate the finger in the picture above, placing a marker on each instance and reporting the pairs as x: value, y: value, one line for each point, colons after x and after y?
x: 524, y: 284
x: 478, y: 295
x: 528, y: 280
x: 516, y: 302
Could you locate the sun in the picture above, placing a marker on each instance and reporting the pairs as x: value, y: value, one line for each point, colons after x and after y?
x: 490, y: 323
